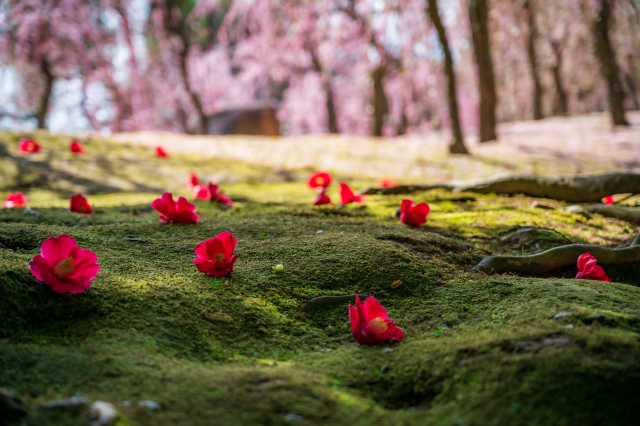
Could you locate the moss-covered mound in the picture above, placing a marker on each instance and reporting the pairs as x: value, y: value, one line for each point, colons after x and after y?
x: 241, y: 350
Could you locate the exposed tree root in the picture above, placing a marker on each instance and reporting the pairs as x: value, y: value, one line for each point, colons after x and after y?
x: 331, y: 300
x: 559, y: 257
x: 571, y: 189
x: 629, y: 214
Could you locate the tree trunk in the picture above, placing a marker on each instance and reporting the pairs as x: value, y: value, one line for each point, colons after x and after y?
x: 380, y: 102
x: 533, y: 60
x: 331, y: 108
x: 479, y: 16
x: 457, y: 146
x: 561, y: 106
x: 184, y: 54
x: 631, y: 87
x: 332, y: 121
x: 609, y: 67
x: 43, y: 108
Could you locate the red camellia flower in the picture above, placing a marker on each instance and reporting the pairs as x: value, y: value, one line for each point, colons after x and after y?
x: 348, y: 196
x: 215, y: 256
x: 388, y: 183
x: 193, y: 181
x: 15, y: 200
x: 76, y: 148
x: 171, y: 211
x: 64, y: 266
x: 217, y: 195
x: 370, y: 325
x: 413, y: 215
x: 321, y: 179
x: 160, y: 152
x: 29, y: 146
x: 79, y: 204
x: 589, y: 270
x: 609, y: 200
x: 201, y: 192
x: 323, y: 198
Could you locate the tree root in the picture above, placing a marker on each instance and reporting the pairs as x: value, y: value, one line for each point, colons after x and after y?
x: 571, y: 189
x: 331, y: 300
x: 629, y: 214
x: 559, y: 257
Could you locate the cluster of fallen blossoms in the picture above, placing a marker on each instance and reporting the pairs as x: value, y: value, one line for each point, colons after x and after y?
x: 69, y: 268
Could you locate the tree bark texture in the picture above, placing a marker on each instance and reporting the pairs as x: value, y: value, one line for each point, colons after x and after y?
x: 609, y: 68
x: 43, y: 107
x: 457, y: 145
x: 479, y: 16
x: 380, y: 102
x: 561, y: 104
x: 184, y: 55
x: 332, y: 120
x: 533, y: 60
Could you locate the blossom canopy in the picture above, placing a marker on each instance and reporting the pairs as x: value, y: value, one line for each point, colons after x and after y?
x: 171, y: 211
x: 215, y: 255
x: 64, y: 266
x: 588, y: 269
x: 370, y: 324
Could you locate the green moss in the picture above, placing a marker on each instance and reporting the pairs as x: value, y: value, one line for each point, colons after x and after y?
x: 239, y: 350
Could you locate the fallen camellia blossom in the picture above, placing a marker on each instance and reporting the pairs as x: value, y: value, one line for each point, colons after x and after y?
x: 323, y: 198
x: 76, y: 148
x: 215, y: 256
x: 29, y: 146
x: 218, y: 196
x: 64, y: 266
x: 15, y: 201
x: 588, y: 269
x: 348, y: 195
x: 370, y: 325
x: 320, y: 179
x: 388, y: 183
x: 160, y: 152
x: 413, y: 215
x: 79, y: 204
x: 609, y: 200
x: 201, y: 192
x: 193, y: 181
x: 180, y: 211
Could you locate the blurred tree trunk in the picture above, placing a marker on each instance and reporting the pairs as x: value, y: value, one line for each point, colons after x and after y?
x: 332, y: 120
x: 380, y: 102
x: 457, y: 146
x: 43, y: 107
x: 609, y: 67
x: 533, y: 60
x: 631, y: 87
x: 561, y: 105
x: 184, y: 56
x: 479, y: 16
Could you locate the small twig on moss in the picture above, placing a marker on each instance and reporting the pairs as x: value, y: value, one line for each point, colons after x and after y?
x: 330, y: 300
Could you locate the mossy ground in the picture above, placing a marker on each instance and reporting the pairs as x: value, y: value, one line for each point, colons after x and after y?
x: 240, y: 350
